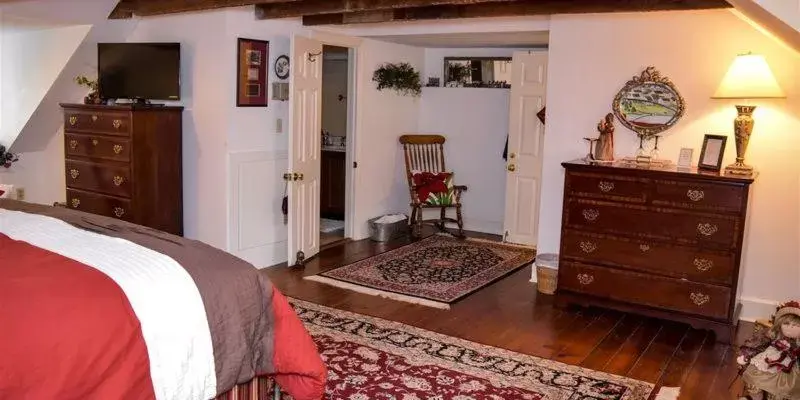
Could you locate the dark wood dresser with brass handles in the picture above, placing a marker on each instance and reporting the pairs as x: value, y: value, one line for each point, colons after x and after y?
x: 125, y: 162
x: 657, y: 242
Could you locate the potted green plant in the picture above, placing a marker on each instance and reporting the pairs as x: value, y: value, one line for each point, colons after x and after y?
x: 93, y: 97
x: 402, y: 78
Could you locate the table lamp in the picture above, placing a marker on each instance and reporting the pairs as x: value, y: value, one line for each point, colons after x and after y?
x: 749, y: 77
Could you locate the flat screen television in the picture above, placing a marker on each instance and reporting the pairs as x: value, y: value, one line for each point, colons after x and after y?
x: 141, y: 71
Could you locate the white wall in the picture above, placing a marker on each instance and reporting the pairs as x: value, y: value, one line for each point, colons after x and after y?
x: 32, y: 59
x: 382, y: 116
x: 41, y: 169
x: 584, y: 76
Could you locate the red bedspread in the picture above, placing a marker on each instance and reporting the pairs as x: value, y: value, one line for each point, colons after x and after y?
x: 68, y: 331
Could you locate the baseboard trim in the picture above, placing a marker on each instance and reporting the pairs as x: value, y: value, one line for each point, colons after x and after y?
x: 754, y: 308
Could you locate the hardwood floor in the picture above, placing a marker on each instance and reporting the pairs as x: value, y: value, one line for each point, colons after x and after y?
x: 511, y: 314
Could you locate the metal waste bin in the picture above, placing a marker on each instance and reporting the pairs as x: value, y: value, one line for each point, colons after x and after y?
x: 384, y: 232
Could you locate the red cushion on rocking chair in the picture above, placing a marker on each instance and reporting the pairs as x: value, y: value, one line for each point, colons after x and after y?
x: 435, y: 189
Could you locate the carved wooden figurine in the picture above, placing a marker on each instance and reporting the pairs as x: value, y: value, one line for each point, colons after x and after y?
x: 604, y: 150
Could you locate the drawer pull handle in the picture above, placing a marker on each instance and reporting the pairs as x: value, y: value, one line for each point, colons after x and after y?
x: 74, y: 173
x: 73, y: 120
x: 588, y: 247
x: 644, y: 248
x: 606, y: 187
x: 707, y: 229
x: 94, y: 142
x: 119, y: 212
x: 94, y: 118
x: 591, y: 214
x: 76, y: 202
x: 117, y: 149
x: 699, y: 298
x: 695, y: 195
x: 117, y: 123
x: 703, y: 264
x: 73, y: 144
x: 585, y: 279
x: 118, y: 180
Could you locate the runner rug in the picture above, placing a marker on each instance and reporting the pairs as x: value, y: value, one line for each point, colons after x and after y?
x: 435, y: 271
x: 370, y: 358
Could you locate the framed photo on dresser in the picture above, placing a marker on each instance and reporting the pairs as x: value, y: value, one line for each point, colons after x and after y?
x: 712, y: 152
x: 251, y: 73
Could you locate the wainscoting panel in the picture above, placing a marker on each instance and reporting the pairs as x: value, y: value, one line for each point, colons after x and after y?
x: 257, y: 233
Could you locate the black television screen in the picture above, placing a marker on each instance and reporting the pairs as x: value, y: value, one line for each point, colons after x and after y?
x: 149, y: 71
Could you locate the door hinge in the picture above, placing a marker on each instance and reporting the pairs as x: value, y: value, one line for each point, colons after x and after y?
x: 355, y: 164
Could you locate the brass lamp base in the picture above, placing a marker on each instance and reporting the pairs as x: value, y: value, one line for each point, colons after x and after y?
x: 742, y: 128
x: 739, y: 169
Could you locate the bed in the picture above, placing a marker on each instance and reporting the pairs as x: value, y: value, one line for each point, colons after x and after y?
x: 96, y: 308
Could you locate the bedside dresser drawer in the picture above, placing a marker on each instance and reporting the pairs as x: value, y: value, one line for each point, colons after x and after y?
x: 628, y: 221
x: 699, y: 196
x: 650, y: 257
x: 631, y: 287
x: 99, y: 204
x: 116, y: 149
x: 109, y: 123
x: 615, y: 187
x: 108, y: 179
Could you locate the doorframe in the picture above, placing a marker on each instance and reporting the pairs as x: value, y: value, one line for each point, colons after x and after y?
x: 352, y: 44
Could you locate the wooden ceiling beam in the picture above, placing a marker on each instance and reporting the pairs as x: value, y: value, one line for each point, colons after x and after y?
x: 509, y: 9
x: 143, y: 8
x: 316, y: 7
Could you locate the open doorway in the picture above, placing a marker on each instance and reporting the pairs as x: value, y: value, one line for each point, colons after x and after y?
x: 333, y: 168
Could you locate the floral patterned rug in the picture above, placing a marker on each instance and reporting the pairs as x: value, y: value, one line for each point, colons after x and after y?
x: 435, y: 271
x: 370, y: 358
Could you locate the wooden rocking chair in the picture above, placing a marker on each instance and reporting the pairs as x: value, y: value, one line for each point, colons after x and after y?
x: 425, y: 153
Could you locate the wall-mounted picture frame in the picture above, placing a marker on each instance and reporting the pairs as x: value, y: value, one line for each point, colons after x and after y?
x: 712, y: 152
x: 252, y: 61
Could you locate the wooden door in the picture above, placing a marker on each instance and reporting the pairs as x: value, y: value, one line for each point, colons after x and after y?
x: 305, y: 120
x: 526, y: 136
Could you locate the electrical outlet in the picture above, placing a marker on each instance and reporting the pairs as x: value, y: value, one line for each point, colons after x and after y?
x: 279, y: 125
x: 20, y: 193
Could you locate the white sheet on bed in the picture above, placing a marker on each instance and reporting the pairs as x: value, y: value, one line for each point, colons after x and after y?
x: 161, y: 293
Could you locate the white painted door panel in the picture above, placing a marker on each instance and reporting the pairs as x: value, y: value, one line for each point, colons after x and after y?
x: 305, y: 119
x: 526, y: 134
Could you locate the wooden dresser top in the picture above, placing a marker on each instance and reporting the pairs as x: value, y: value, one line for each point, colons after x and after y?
x: 121, y: 107
x: 671, y: 171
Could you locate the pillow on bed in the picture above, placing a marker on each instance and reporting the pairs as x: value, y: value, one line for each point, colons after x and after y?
x: 434, y: 189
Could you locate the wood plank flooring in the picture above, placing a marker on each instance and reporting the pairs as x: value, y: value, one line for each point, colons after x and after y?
x: 511, y: 314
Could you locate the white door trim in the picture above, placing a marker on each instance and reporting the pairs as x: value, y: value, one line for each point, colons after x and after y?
x: 351, y: 174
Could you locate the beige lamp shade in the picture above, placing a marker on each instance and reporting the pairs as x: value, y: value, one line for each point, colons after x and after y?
x: 749, y: 77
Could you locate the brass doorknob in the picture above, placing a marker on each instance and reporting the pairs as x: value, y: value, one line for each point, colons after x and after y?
x: 297, y: 177
x: 512, y: 167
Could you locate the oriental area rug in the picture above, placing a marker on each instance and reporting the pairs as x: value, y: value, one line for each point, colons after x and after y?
x: 370, y: 358
x: 435, y: 271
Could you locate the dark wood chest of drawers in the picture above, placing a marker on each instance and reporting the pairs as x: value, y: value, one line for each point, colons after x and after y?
x: 125, y: 162
x: 657, y: 242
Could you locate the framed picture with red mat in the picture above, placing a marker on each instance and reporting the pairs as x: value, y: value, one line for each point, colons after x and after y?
x: 251, y: 73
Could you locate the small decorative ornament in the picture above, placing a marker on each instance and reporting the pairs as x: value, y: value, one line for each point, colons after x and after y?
x: 282, y: 67
x: 769, y: 359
